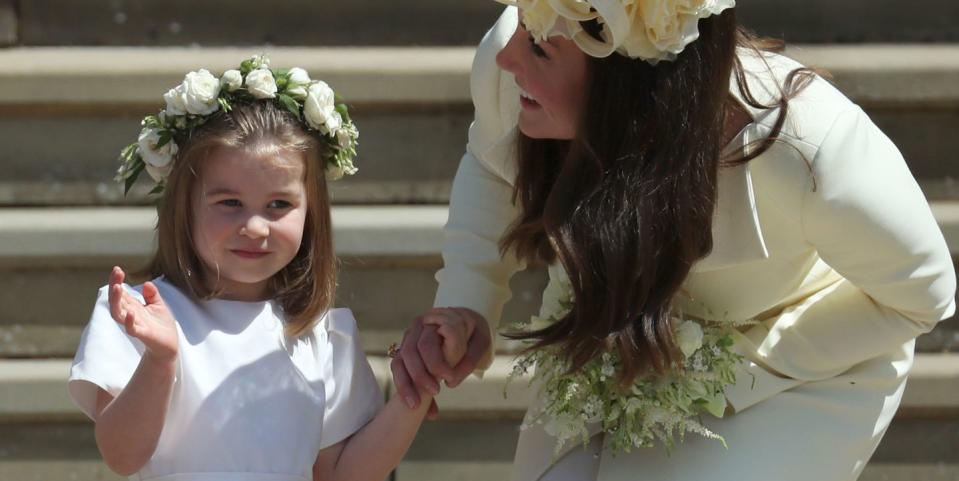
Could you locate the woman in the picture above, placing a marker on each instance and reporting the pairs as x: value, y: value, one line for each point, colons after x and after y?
x: 661, y: 161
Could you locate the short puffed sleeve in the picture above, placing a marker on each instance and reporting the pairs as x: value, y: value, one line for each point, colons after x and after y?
x: 353, y: 396
x: 106, y: 357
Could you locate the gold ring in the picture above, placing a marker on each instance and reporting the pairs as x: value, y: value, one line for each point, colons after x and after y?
x: 393, y: 350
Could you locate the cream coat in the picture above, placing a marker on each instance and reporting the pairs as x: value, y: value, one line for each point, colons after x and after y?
x: 826, y: 239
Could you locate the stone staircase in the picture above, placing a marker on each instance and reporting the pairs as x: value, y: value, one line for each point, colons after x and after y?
x: 72, y: 93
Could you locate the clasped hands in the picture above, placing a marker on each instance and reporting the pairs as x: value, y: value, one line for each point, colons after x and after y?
x: 444, y: 344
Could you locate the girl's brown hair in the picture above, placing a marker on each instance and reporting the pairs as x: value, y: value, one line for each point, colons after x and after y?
x: 305, y: 288
x: 627, y: 206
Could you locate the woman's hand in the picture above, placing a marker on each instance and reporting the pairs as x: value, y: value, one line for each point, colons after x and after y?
x: 422, y: 359
x: 152, y: 323
x: 454, y: 331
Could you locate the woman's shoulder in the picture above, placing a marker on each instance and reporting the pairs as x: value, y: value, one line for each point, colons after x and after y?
x: 492, y: 89
x: 812, y: 110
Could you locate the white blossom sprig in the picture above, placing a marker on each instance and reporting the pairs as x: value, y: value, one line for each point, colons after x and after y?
x: 653, y: 409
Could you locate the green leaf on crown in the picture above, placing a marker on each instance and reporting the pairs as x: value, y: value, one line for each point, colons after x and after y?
x: 247, y: 66
x: 344, y: 112
x: 152, y: 121
x: 128, y: 153
x: 224, y: 104
x: 165, y: 137
x: 138, y: 167
x: 289, y: 104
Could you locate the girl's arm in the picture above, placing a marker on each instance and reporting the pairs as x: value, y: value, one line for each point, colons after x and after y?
x: 128, y: 427
x: 377, y: 448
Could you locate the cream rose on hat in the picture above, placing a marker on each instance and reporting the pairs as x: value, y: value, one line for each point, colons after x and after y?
x: 652, y: 30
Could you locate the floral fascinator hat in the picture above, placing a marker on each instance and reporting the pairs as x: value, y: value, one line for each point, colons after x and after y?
x: 652, y: 30
x: 190, y: 104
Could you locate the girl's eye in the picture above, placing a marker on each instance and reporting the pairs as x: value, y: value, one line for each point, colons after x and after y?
x: 230, y: 202
x: 280, y: 204
x: 537, y: 50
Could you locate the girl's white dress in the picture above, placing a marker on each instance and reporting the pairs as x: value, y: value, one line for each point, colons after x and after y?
x: 247, y: 403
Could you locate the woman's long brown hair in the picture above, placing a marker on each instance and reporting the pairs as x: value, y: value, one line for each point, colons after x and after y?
x: 627, y: 206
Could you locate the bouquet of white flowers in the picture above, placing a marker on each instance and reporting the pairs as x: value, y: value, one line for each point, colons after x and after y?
x: 652, y: 408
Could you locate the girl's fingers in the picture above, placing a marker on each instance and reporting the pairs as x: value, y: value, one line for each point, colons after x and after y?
x: 129, y: 322
x: 151, y: 295
x: 117, y: 275
x: 457, y: 319
x: 433, y: 412
x: 430, y: 347
x: 116, y: 299
x: 476, y: 350
x: 469, y: 318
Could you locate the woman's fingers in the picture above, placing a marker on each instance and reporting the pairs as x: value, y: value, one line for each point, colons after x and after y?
x: 404, y: 384
x: 414, y: 362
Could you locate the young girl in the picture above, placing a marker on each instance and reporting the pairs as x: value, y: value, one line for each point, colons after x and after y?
x: 230, y: 364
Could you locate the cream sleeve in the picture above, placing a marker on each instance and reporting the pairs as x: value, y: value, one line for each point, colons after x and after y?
x: 474, y: 274
x: 868, y: 220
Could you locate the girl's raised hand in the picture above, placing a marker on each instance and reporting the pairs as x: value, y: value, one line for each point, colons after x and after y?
x: 152, y: 323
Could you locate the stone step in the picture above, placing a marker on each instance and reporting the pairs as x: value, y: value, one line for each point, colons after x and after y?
x: 389, y: 256
x: 34, y: 390
x: 369, y: 22
x: 46, y: 437
x: 412, y: 105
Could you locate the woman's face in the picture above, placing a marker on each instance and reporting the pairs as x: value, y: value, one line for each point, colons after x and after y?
x: 552, y: 77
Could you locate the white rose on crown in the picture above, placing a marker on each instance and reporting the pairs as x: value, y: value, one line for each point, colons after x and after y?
x: 158, y: 161
x: 175, y: 104
x: 261, y: 84
x: 299, y: 81
x: 232, y: 80
x: 197, y: 95
x: 319, y: 108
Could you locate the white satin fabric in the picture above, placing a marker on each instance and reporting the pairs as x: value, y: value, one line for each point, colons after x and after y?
x: 247, y: 402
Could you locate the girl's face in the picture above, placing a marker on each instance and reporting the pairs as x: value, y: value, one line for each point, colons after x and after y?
x: 552, y: 76
x: 249, y: 216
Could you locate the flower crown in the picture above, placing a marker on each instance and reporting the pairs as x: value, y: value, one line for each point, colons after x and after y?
x: 190, y: 104
x: 652, y: 30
